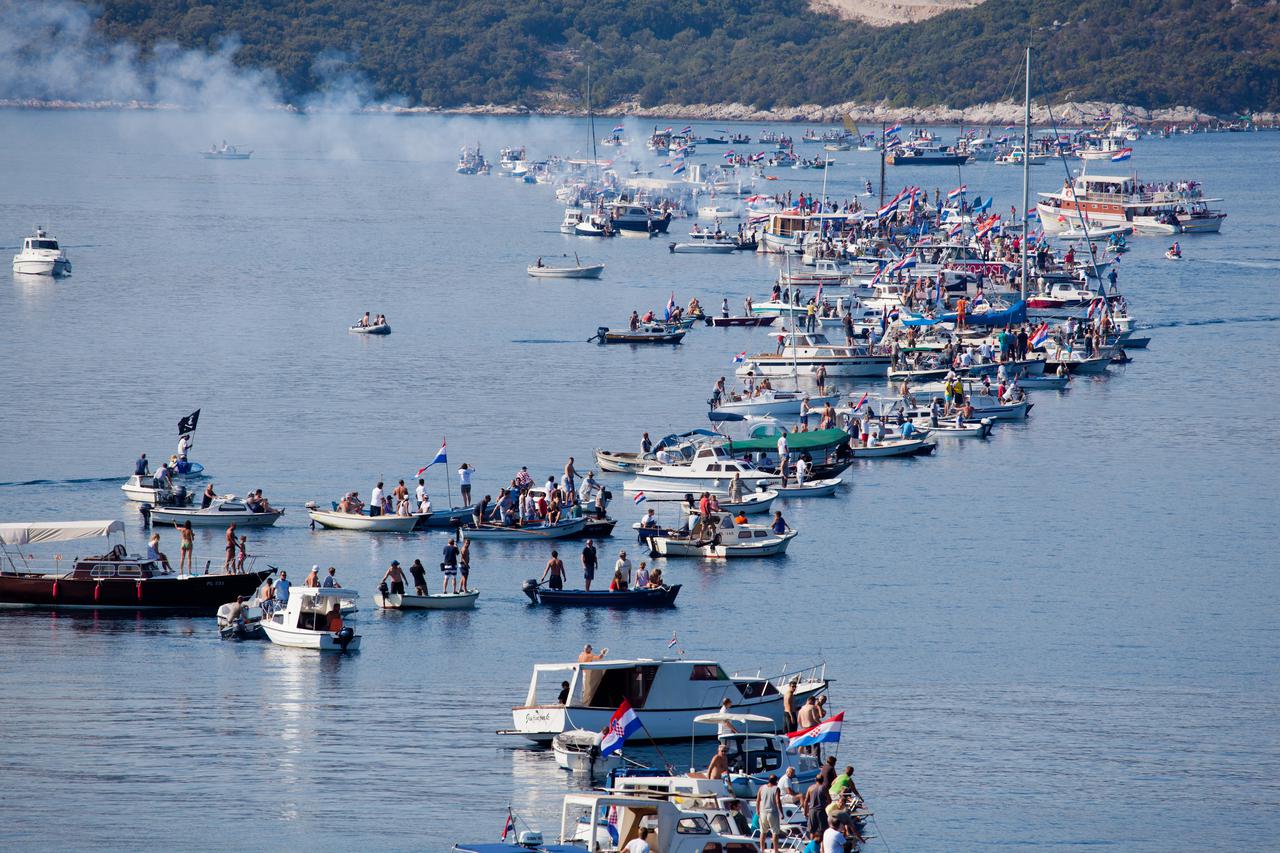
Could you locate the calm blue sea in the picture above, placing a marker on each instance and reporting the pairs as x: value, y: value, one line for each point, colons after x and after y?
x: 1061, y: 636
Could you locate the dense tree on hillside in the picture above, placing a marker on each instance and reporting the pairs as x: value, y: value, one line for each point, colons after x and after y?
x: 1220, y: 55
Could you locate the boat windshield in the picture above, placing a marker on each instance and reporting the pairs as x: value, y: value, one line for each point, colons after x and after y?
x: 43, y: 244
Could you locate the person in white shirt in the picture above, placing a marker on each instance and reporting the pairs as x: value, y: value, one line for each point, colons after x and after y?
x: 788, y: 787
x: 623, y: 566
x: 375, y: 500
x: 464, y: 482
x: 184, y: 445
x: 832, y: 841
x: 640, y: 843
x: 420, y: 493
x: 802, y: 470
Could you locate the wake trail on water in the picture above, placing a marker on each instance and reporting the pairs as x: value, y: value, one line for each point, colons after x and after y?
x: 1213, y: 321
x: 72, y: 482
x: 543, y: 341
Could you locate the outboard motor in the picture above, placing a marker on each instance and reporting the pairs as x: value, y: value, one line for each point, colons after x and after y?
x: 344, y: 637
x: 530, y: 588
x: 601, y: 331
x: 180, y: 496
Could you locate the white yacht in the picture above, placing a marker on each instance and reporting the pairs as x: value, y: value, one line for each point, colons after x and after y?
x: 667, y: 695
x: 41, y: 255
x: 315, y: 618
x: 712, y: 469
x: 805, y: 352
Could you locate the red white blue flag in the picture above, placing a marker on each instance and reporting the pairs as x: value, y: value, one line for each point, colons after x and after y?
x: 827, y: 731
x: 440, y: 457
x: 623, y: 725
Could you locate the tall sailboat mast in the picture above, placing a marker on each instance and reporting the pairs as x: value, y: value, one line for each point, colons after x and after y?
x: 1026, y: 173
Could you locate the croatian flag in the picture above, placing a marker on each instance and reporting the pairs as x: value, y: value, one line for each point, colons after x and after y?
x: 1122, y: 155
x: 508, y: 827
x: 1097, y: 306
x: 674, y: 641
x: 894, y: 129
x: 688, y: 128
x: 728, y: 155
x: 623, y: 725
x: 619, y: 129
x: 956, y: 229
x: 1041, y: 335
x: 827, y: 731
x: 639, y: 498
x: 671, y: 304
x: 861, y: 402
x: 740, y: 357
x: 906, y: 263
x: 440, y: 457
x: 677, y: 166
x: 958, y: 191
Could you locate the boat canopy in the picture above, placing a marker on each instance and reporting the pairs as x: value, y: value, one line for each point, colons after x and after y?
x: 30, y: 533
x: 718, y: 718
x: 1017, y: 313
x: 821, y: 439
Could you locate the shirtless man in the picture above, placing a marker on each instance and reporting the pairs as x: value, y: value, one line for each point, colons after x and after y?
x: 587, y: 655
x: 396, y: 575
x: 719, y: 765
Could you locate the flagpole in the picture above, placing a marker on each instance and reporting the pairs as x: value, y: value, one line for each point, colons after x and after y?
x: 1026, y: 172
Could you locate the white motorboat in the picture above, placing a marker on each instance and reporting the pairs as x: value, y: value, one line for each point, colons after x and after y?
x: 572, y: 216
x: 727, y: 541
x: 667, y: 694
x: 313, y: 618
x: 144, y: 489
x: 436, y: 601
x: 809, y: 488
x: 225, y: 152
x: 893, y: 447
x: 712, y: 469
x: 949, y: 428
x: 577, y: 270
x: 41, y: 255
x: 715, y: 211
x: 1097, y: 233
x: 772, y: 402
x: 335, y: 520
x: 702, y: 247
x: 578, y: 751
x: 220, y: 512
x: 805, y: 352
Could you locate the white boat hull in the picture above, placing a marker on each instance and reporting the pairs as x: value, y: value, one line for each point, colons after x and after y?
x: 702, y: 248
x: 873, y: 367
x: 685, y: 548
x: 41, y: 266
x: 588, y: 271
x: 368, y: 524
x: 198, y: 518
x: 442, y: 601
x: 891, y: 447
x: 576, y: 761
x: 811, y: 489
x: 321, y: 641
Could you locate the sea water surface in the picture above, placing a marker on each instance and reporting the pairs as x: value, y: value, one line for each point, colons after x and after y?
x: 1064, y: 635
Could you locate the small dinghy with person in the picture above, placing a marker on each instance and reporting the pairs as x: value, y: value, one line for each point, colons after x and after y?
x: 387, y: 600
x: 313, y: 618
x: 576, y: 270
x: 578, y: 751
x: 661, y: 596
x: 379, y: 329
x: 336, y: 520
x: 533, y: 532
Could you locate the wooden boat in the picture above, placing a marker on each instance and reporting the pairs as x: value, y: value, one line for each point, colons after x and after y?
x: 578, y: 270
x: 379, y: 329
x: 437, y: 601
x: 303, y: 621
x: 754, y: 320
x: 644, y: 335
x: 620, y: 461
x: 335, y: 520
x: 598, y: 528
x: 559, y: 530
x: 663, y: 596
x: 219, y: 513
x: 810, y: 488
x: 114, y: 580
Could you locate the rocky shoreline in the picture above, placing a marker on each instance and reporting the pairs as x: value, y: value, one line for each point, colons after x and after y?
x: 1070, y: 113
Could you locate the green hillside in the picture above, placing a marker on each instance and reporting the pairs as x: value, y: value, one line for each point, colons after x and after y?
x: 1217, y: 56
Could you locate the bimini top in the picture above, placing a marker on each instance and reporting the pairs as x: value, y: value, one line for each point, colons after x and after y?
x: 32, y: 532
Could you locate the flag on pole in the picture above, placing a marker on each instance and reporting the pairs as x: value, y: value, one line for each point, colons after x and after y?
x: 861, y: 402
x: 894, y: 129
x: 688, y: 129
x: 639, y: 498
x: 1122, y: 155
x: 619, y: 129
x: 508, y: 827
x: 958, y: 191
x: 439, y: 457
x: 188, y: 424
x: 740, y: 357
x: 622, y: 725
x: 827, y: 731
x: 1040, y: 336
x: 674, y: 641
x: 956, y: 230
x: 671, y: 304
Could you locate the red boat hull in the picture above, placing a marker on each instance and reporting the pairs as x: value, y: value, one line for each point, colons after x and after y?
x: 197, y: 593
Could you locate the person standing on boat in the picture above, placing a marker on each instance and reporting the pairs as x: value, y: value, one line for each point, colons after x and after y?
x: 395, y: 575
x: 464, y: 564
x: 242, y: 553
x: 375, y: 500
x: 570, y: 475
x: 587, y: 655
x: 228, y: 565
x: 419, y: 574
x: 735, y: 489
x: 622, y: 566
x: 184, y: 445
x: 724, y: 303
x: 450, y: 566
x: 554, y: 572
x: 313, y: 577
x: 282, y: 590
x: 769, y: 811
x: 589, y: 562
x: 141, y: 468
x: 646, y: 445
x: 464, y: 482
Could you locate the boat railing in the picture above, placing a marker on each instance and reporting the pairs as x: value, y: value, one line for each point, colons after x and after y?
x: 817, y: 672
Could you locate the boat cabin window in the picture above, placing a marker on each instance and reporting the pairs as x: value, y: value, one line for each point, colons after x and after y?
x: 607, y: 688
x: 103, y: 570
x: 693, y: 825
x: 707, y: 672
x: 43, y: 244
x: 714, y: 466
x: 756, y: 688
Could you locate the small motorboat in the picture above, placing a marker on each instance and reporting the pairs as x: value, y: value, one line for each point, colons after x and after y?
x: 1171, y: 255
x: 219, y: 513
x: 894, y: 447
x: 143, y: 488
x: 725, y: 540
x: 753, y: 321
x: 443, y: 518
x: 979, y: 428
x: 662, y: 596
x: 187, y: 469
x: 247, y: 624
x: 377, y: 329
x: 578, y: 751
x: 588, y: 228
x: 650, y: 334
x: 703, y: 247
x: 437, y: 601
x: 335, y: 520
x: 41, y: 255
x: 577, y: 270
x: 225, y: 152
x: 312, y: 618
x: 1046, y: 383
x: 810, y: 488
x: 559, y: 530
x: 598, y: 528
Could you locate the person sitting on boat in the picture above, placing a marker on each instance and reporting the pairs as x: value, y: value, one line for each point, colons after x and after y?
x: 539, y: 263
x: 363, y: 322
x: 619, y: 582
x: 251, y: 503
x: 655, y: 579
x: 208, y: 497
x: 648, y: 317
x: 334, y: 623
x: 1175, y: 250
x: 642, y: 577
x: 779, y: 525
x: 153, y: 552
